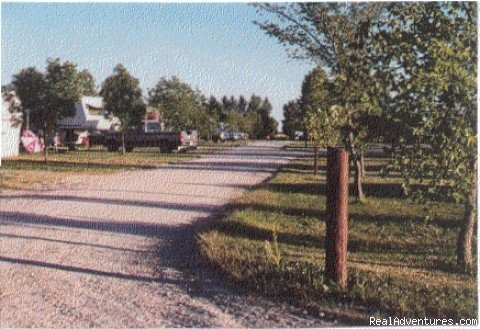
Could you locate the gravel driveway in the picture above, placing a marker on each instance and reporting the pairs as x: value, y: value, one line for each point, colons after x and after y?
x: 117, y: 250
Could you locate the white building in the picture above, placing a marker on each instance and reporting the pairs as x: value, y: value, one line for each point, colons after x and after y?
x: 11, y: 125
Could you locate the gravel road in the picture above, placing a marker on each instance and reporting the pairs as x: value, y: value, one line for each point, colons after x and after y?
x: 117, y: 250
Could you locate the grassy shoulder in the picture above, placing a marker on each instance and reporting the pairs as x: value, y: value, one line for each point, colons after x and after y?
x: 401, y: 256
x: 209, y: 147
x: 29, y: 171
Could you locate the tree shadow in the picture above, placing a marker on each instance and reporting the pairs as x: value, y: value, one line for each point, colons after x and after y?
x: 120, y: 202
x: 377, y: 190
x: 241, y: 230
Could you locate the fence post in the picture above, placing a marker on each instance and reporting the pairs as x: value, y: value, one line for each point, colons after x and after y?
x: 337, y: 215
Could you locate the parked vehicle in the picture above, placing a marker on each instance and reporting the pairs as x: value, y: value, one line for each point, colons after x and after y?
x: 152, y: 136
x: 89, y: 122
x: 235, y: 136
x: 226, y: 135
x: 221, y: 136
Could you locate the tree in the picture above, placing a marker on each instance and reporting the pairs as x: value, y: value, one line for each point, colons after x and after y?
x: 271, y: 127
x: 30, y: 86
x: 87, y: 83
x: 253, y: 116
x: 242, y: 104
x: 337, y: 36
x: 215, y: 110
x: 177, y: 102
x: 293, y: 117
x: 267, y: 126
x: 122, y: 97
x: 203, y: 121
x: 235, y: 121
x: 62, y: 92
x: 323, y: 120
x: 429, y: 65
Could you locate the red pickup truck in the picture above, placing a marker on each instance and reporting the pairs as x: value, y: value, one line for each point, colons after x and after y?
x: 152, y: 135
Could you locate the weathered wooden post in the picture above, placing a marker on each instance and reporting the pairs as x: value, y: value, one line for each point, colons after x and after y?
x: 337, y: 216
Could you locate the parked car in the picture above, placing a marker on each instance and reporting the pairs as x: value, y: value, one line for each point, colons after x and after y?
x: 235, y: 136
x: 221, y: 136
x: 152, y: 136
x: 226, y: 135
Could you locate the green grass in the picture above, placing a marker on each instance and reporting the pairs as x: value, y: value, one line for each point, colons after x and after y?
x: 28, y: 170
x: 209, y: 147
x: 401, y: 258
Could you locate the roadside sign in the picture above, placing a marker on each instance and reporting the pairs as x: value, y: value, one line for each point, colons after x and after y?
x: 31, y: 142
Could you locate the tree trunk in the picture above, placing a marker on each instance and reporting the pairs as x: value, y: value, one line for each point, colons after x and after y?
x: 123, y: 141
x: 55, y: 142
x: 465, y: 237
x: 358, y: 182
x: 315, y: 159
x: 45, y: 156
x: 362, y: 163
x: 358, y: 190
x: 305, y: 135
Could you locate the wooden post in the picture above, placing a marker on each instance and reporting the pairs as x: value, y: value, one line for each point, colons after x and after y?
x: 337, y: 216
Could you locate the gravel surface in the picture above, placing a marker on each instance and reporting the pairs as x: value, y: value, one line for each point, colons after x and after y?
x: 117, y: 250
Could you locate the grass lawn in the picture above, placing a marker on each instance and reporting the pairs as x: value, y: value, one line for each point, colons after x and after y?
x: 29, y: 170
x: 401, y: 258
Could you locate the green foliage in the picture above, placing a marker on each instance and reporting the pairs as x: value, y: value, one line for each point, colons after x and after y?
x: 204, y: 122
x: 429, y: 59
x: 62, y: 91
x: 338, y: 38
x: 177, y: 102
x: 52, y: 95
x: 292, y: 122
x: 235, y: 121
x: 322, y: 119
x: 30, y: 86
x: 260, y: 124
x: 122, y: 96
x: 87, y: 83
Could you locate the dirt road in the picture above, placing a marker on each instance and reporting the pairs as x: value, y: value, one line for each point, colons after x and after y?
x: 117, y: 251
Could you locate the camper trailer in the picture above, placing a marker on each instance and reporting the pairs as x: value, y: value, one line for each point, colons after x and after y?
x: 89, y: 124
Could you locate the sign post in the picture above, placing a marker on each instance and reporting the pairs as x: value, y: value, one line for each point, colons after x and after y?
x: 337, y: 216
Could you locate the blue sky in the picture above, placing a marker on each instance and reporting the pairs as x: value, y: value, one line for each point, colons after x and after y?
x: 214, y: 46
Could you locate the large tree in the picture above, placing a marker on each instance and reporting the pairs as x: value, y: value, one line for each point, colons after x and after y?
x: 177, y: 102
x: 323, y: 120
x: 215, y: 110
x: 292, y: 118
x: 337, y: 36
x: 252, y: 116
x: 63, y: 89
x: 428, y: 60
x: 30, y: 86
x: 62, y: 92
x: 122, y: 97
x: 268, y: 125
x: 242, y: 104
x: 87, y: 83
